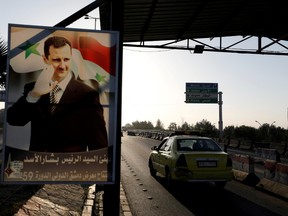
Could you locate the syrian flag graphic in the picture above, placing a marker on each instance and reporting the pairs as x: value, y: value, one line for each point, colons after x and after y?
x: 93, y: 53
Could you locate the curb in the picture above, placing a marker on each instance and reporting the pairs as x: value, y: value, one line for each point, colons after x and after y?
x: 276, y: 188
x: 89, y: 203
x: 124, y: 205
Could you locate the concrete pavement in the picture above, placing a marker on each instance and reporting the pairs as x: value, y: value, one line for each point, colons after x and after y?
x: 62, y: 199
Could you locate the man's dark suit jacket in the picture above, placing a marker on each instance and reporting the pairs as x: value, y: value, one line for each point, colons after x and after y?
x: 77, y: 122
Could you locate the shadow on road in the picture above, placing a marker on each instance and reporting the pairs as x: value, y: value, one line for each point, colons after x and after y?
x: 204, y: 199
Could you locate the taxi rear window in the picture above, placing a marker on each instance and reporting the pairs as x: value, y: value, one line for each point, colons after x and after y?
x: 197, y: 145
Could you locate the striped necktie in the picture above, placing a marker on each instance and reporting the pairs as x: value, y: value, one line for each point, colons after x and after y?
x: 53, y: 98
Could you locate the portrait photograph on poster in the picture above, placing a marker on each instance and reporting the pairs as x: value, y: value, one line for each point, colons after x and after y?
x: 61, y: 105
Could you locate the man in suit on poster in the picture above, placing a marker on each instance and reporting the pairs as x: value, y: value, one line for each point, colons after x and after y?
x: 73, y: 120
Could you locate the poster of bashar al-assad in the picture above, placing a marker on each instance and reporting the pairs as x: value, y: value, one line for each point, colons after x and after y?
x: 60, y: 105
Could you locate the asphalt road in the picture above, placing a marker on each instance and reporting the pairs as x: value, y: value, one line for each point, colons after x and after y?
x: 147, y: 195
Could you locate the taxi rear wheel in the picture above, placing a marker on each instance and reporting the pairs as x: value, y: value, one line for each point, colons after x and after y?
x: 168, y: 178
x: 151, y: 169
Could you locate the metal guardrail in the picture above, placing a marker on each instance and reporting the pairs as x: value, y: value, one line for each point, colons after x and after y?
x: 252, y: 149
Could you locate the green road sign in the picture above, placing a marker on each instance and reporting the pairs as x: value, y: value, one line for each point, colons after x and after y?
x: 201, y: 93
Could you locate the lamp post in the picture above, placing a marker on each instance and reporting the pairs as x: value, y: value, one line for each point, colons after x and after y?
x: 261, y: 124
x: 258, y: 123
x: 90, y: 17
x: 268, y: 126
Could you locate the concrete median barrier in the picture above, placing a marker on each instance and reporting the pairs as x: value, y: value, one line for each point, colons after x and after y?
x: 244, y: 169
x: 266, y: 153
x: 275, y: 178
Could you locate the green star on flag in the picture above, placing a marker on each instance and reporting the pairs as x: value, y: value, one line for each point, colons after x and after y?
x: 30, y: 49
x: 100, y: 78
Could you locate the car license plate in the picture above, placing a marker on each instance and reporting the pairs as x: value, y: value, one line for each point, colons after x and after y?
x: 207, y: 164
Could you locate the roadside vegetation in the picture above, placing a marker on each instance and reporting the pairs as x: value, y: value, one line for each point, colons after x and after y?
x: 265, y: 132
x: 266, y: 136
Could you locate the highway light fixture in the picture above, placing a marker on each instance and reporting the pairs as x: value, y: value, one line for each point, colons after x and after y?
x: 258, y: 123
x: 199, y: 49
x: 90, y: 17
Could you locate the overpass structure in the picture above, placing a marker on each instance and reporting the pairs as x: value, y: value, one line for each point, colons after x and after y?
x: 234, y: 26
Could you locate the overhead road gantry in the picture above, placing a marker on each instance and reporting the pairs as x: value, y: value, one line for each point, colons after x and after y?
x: 234, y: 26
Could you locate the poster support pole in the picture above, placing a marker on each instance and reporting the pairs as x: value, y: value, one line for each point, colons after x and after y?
x: 111, y: 197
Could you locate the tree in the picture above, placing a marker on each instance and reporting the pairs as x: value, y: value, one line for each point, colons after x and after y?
x: 277, y: 134
x: 127, y: 126
x: 229, y: 131
x: 172, y: 126
x: 185, y: 126
x: 3, y: 62
x: 204, y: 125
x: 263, y: 132
x: 142, y: 125
x: 245, y: 132
x: 271, y: 133
x: 207, y: 128
x: 159, y: 125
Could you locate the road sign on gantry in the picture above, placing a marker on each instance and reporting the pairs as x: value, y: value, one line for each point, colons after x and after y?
x: 201, y: 93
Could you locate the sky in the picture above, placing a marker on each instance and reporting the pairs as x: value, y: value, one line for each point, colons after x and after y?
x: 254, y: 87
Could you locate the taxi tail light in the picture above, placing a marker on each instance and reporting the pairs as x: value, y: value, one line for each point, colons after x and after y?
x: 181, y: 161
x: 229, y: 161
x: 181, y: 167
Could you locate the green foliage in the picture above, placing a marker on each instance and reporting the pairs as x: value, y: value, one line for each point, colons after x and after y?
x: 204, y: 125
x: 142, y: 125
x: 245, y: 132
x: 207, y: 128
x: 172, y: 126
x: 229, y: 131
x: 266, y: 132
x: 159, y: 125
x: 185, y: 126
x: 271, y: 133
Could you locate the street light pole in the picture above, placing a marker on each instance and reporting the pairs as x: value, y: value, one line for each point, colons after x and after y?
x: 90, y: 17
x: 270, y: 126
x: 258, y: 123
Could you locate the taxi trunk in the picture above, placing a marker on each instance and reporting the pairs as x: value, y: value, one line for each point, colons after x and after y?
x: 204, y: 166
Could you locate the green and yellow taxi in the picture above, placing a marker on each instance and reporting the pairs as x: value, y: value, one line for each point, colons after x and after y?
x: 190, y: 158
